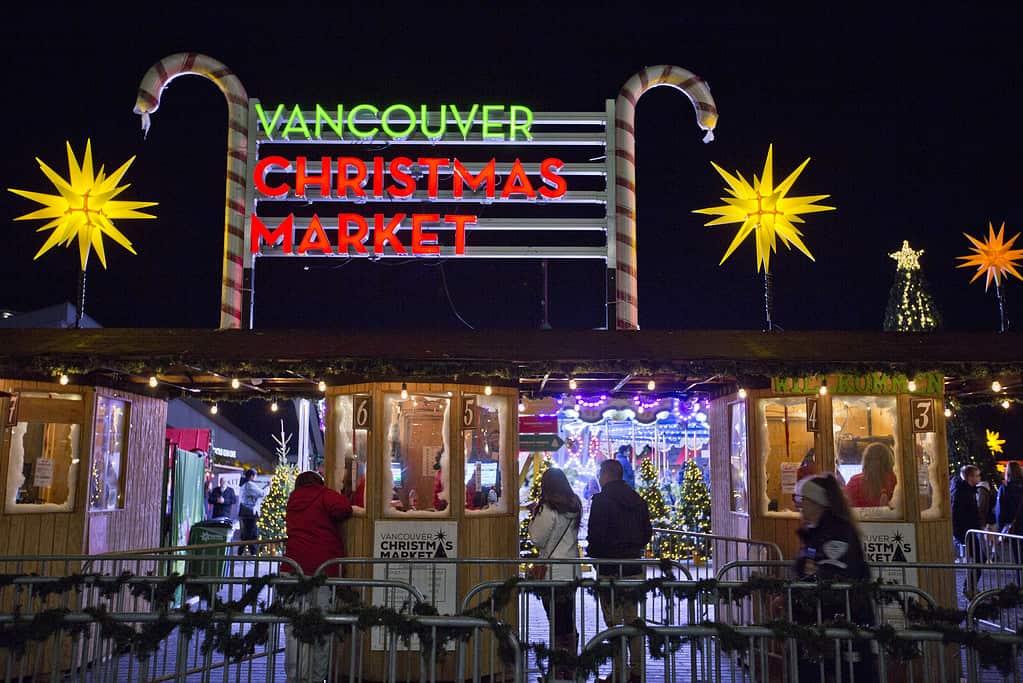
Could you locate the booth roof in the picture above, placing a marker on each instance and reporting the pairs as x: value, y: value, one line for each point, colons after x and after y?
x: 292, y: 362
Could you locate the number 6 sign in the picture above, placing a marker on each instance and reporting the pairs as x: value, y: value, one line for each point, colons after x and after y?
x: 362, y: 412
x: 922, y: 411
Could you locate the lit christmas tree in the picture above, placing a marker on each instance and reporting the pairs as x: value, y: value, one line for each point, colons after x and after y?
x: 526, y: 547
x: 692, y: 514
x: 910, y: 305
x: 272, y: 511
x: 651, y: 492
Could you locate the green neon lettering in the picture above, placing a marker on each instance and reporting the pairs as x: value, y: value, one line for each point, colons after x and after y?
x: 464, y: 126
x: 487, y: 134
x: 270, y: 127
x: 296, y: 124
x: 353, y: 112
x: 424, y: 120
x: 524, y: 127
x: 337, y: 126
x: 386, y: 124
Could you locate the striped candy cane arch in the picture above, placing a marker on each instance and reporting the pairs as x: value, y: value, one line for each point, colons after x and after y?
x: 627, y: 297
x: 151, y: 88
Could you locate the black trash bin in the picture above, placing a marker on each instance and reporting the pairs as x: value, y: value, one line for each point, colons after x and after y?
x: 216, y: 530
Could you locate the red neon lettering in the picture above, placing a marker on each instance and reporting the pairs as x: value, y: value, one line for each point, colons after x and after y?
x: 281, y: 232
x: 433, y: 164
x: 346, y: 239
x: 486, y: 174
x: 344, y: 182
x: 314, y: 238
x: 303, y: 180
x: 460, y: 222
x: 518, y: 183
x: 549, y: 172
x: 378, y: 177
x: 408, y: 183
x: 259, y: 176
x: 382, y: 233
x: 424, y: 242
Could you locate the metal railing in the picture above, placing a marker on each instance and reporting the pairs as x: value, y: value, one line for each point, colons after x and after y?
x: 703, y: 552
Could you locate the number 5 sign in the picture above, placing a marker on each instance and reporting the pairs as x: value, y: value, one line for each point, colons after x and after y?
x: 468, y: 412
x: 922, y: 411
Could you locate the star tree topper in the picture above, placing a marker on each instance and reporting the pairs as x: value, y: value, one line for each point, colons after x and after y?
x: 84, y: 208
x: 764, y: 209
x: 907, y: 258
x: 992, y: 256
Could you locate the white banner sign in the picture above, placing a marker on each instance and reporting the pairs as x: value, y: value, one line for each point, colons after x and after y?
x: 415, y: 540
x: 890, y: 543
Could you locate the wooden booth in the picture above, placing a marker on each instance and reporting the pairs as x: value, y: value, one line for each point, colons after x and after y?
x: 430, y: 469
x: 883, y: 436
x: 81, y: 469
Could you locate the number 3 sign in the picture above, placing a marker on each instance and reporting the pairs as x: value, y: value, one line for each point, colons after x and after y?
x: 922, y: 411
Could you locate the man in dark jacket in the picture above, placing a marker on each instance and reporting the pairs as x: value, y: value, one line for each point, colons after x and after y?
x: 222, y: 498
x: 619, y: 527
x: 312, y: 518
x: 966, y: 516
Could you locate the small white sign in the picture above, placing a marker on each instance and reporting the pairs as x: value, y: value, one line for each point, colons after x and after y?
x: 788, y: 477
x: 43, y: 474
x: 892, y: 544
x: 415, y: 540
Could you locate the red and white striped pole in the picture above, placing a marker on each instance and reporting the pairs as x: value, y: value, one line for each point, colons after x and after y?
x: 627, y: 298
x: 148, y: 101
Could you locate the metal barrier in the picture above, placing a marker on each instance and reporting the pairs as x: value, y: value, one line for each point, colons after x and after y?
x: 715, y: 550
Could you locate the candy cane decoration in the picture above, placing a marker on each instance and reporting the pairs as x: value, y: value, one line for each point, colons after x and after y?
x: 627, y: 309
x: 153, y: 84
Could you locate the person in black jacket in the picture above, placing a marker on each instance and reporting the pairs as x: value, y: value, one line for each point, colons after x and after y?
x: 1010, y: 497
x: 619, y: 527
x: 966, y: 516
x: 222, y: 498
x: 831, y: 550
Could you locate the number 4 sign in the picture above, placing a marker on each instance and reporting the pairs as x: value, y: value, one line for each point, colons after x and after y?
x: 812, y: 421
x: 922, y: 412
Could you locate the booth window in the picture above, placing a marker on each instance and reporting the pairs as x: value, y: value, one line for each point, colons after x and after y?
x: 482, y: 448
x: 866, y: 463
x: 416, y: 472
x: 926, y: 448
x: 42, y: 474
x: 738, y: 458
x: 786, y: 453
x: 351, y: 449
x: 109, y: 446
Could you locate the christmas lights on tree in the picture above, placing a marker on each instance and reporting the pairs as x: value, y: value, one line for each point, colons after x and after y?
x: 526, y: 547
x: 910, y: 305
x: 272, y: 511
x: 651, y: 492
x: 690, y: 514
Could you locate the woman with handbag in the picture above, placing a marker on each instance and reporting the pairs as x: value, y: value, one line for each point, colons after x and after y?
x: 554, y: 530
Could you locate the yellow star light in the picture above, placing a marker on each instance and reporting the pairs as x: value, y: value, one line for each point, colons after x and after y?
x: 992, y: 256
x: 84, y: 208
x: 765, y: 209
x: 907, y: 258
x: 994, y: 444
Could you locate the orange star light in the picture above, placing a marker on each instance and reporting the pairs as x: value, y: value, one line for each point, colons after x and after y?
x: 993, y: 256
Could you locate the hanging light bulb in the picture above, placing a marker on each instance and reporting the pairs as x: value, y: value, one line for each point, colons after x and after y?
x: 235, y: 383
x: 213, y: 409
x: 522, y: 406
x: 651, y: 385
x: 274, y: 407
x: 488, y: 390
x: 572, y: 384
x: 1005, y: 404
x: 742, y: 393
x: 996, y: 386
x: 64, y: 379
x: 948, y: 412
x: 153, y: 382
x: 322, y: 386
x: 404, y: 391
x: 912, y: 385
x: 823, y: 391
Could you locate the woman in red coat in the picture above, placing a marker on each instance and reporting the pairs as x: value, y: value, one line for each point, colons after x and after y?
x: 312, y: 517
x: 875, y: 485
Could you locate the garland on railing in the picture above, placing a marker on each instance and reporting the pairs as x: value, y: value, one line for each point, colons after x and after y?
x: 312, y: 625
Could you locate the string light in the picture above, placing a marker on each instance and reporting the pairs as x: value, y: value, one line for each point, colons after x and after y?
x: 742, y: 393
x: 153, y: 382
x: 488, y: 390
x: 912, y: 385
x: 213, y: 409
x: 404, y: 391
x: 1005, y: 404
x: 572, y: 384
x: 235, y: 383
x: 64, y: 379
x: 996, y: 386
x: 651, y: 385
x: 322, y: 386
x: 596, y: 403
x: 823, y: 391
x: 522, y: 406
x: 948, y: 412
x: 274, y: 407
